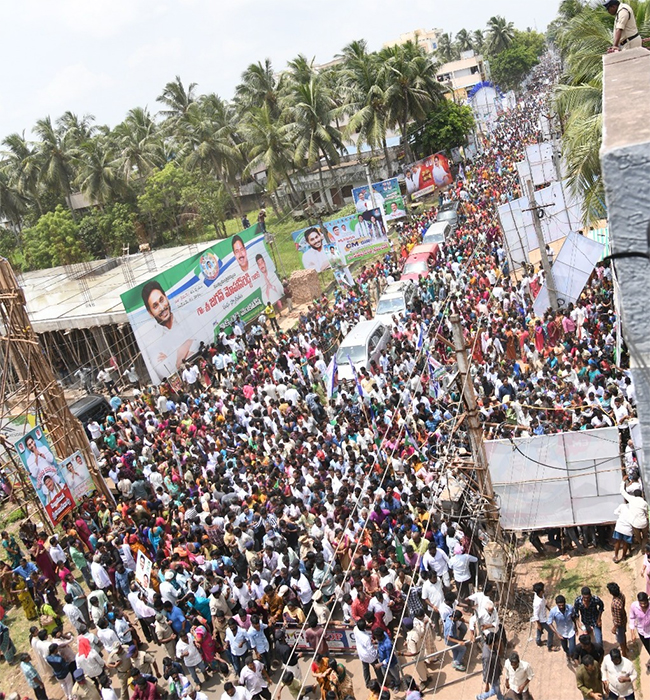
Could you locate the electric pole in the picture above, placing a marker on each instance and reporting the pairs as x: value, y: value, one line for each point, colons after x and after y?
x: 546, y: 265
x: 475, y: 428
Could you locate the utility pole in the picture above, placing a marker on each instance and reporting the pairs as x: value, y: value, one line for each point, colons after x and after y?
x: 546, y: 265
x: 475, y: 427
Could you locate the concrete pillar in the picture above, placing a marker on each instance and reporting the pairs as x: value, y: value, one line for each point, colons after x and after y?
x: 625, y: 160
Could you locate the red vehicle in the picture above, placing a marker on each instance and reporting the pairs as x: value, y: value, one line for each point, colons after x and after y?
x: 417, y: 263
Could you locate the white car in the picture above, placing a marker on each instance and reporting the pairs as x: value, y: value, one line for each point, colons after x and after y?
x: 361, y: 345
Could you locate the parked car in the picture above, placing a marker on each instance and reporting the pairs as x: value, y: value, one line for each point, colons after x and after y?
x: 361, y: 345
x: 90, y: 408
x: 438, y: 233
x: 395, y: 301
x: 449, y: 212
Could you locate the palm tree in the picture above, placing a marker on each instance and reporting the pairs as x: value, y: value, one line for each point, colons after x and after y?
x: 20, y: 158
x: 56, y: 159
x: 13, y: 204
x: 212, y: 142
x: 500, y: 34
x: 464, y: 40
x: 583, y: 36
x: 478, y: 41
x: 177, y: 100
x: 269, y: 145
x: 365, y: 97
x: 76, y: 129
x: 99, y: 175
x: 446, y: 51
x: 259, y: 87
x: 311, y: 115
x: 411, y: 87
x: 136, y: 141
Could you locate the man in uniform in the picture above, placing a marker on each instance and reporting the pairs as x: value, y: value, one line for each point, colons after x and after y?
x: 626, y: 35
x: 82, y: 689
x: 119, y: 661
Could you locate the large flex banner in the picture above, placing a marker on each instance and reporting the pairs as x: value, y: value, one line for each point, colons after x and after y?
x: 426, y: 175
x: 194, y: 300
x: 341, y: 241
x: 385, y: 195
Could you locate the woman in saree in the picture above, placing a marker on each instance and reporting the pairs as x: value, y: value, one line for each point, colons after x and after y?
x: 340, y: 680
x: 42, y: 558
x: 320, y: 670
x: 21, y: 591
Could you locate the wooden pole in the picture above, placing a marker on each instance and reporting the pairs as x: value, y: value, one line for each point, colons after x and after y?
x: 66, y: 433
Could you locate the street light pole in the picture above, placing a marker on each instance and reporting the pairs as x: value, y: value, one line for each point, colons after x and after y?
x: 546, y: 265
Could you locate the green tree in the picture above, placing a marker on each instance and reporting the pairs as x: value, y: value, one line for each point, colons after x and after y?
x: 512, y: 65
x: 446, y: 49
x: 260, y: 87
x: 583, y: 36
x: 206, y: 201
x: 447, y: 126
x: 104, y: 232
x: 54, y: 240
x: 464, y: 40
x: 411, y: 87
x: 365, y: 95
x: 500, y: 34
x: 161, y: 203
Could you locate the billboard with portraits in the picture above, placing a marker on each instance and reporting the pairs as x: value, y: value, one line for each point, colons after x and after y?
x: 172, y: 312
x: 386, y: 195
x: 426, y: 175
x: 341, y: 241
x: 45, y: 474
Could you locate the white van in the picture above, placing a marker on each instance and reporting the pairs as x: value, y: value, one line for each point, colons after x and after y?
x: 438, y: 233
x: 395, y: 301
x: 362, y: 344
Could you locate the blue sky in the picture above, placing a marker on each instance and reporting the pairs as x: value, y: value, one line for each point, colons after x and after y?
x: 103, y: 57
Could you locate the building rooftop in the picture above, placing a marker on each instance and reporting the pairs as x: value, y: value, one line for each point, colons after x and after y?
x: 85, y: 296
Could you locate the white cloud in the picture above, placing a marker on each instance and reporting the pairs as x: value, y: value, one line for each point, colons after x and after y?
x: 73, y: 82
x: 159, y: 50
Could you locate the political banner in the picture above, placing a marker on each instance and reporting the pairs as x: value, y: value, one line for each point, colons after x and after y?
x: 193, y: 301
x: 338, y: 638
x: 358, y: 236
x: 143, y: 566
x: 424, y: 176
x: 386, y: 195
x: 45, y: 474
x: 77, y: 476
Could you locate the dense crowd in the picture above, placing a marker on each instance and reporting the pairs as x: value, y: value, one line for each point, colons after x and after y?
x: 272, y: 500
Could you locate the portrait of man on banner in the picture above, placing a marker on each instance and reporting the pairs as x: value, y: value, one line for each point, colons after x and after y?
x: 45, y: 474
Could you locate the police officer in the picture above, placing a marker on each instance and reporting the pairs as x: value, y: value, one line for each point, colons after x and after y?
x: 626, y: 35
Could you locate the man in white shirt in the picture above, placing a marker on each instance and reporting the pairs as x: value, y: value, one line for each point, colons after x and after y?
x: 234, y: 692
x: 366, y: 650
x: 188, y: 653
x: 315, y: 256
x: 190, y: 374
x: 618, y: 675
x: 518, y: 676
x: 436, y: 560
x: 255, y: 679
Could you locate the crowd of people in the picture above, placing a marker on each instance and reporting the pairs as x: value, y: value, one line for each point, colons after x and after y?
x: 276, y: 505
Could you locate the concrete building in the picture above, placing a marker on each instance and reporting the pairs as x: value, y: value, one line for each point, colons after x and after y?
x: 426, y: 38
x: 460, y: 76
x: 625, y: 160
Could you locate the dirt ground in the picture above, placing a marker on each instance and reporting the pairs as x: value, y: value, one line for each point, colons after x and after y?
x: 554, y: 679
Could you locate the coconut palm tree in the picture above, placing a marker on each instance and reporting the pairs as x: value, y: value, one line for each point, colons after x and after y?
x: 13, y: 204
x: 56, y: 157
x: 259, y: 87
x: 411, y: 86
x: 20, y: 158
x: 99, y: 175
x: 311, y: 114
x: 446, y: 50
x: 464, y: 40
x: 583, y: 37
x: 365, y: 97
x: 500, y: 34
x: 212, y: 143
x: 478, y: 41
x: 269, y: 145
x: 136, y: 142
